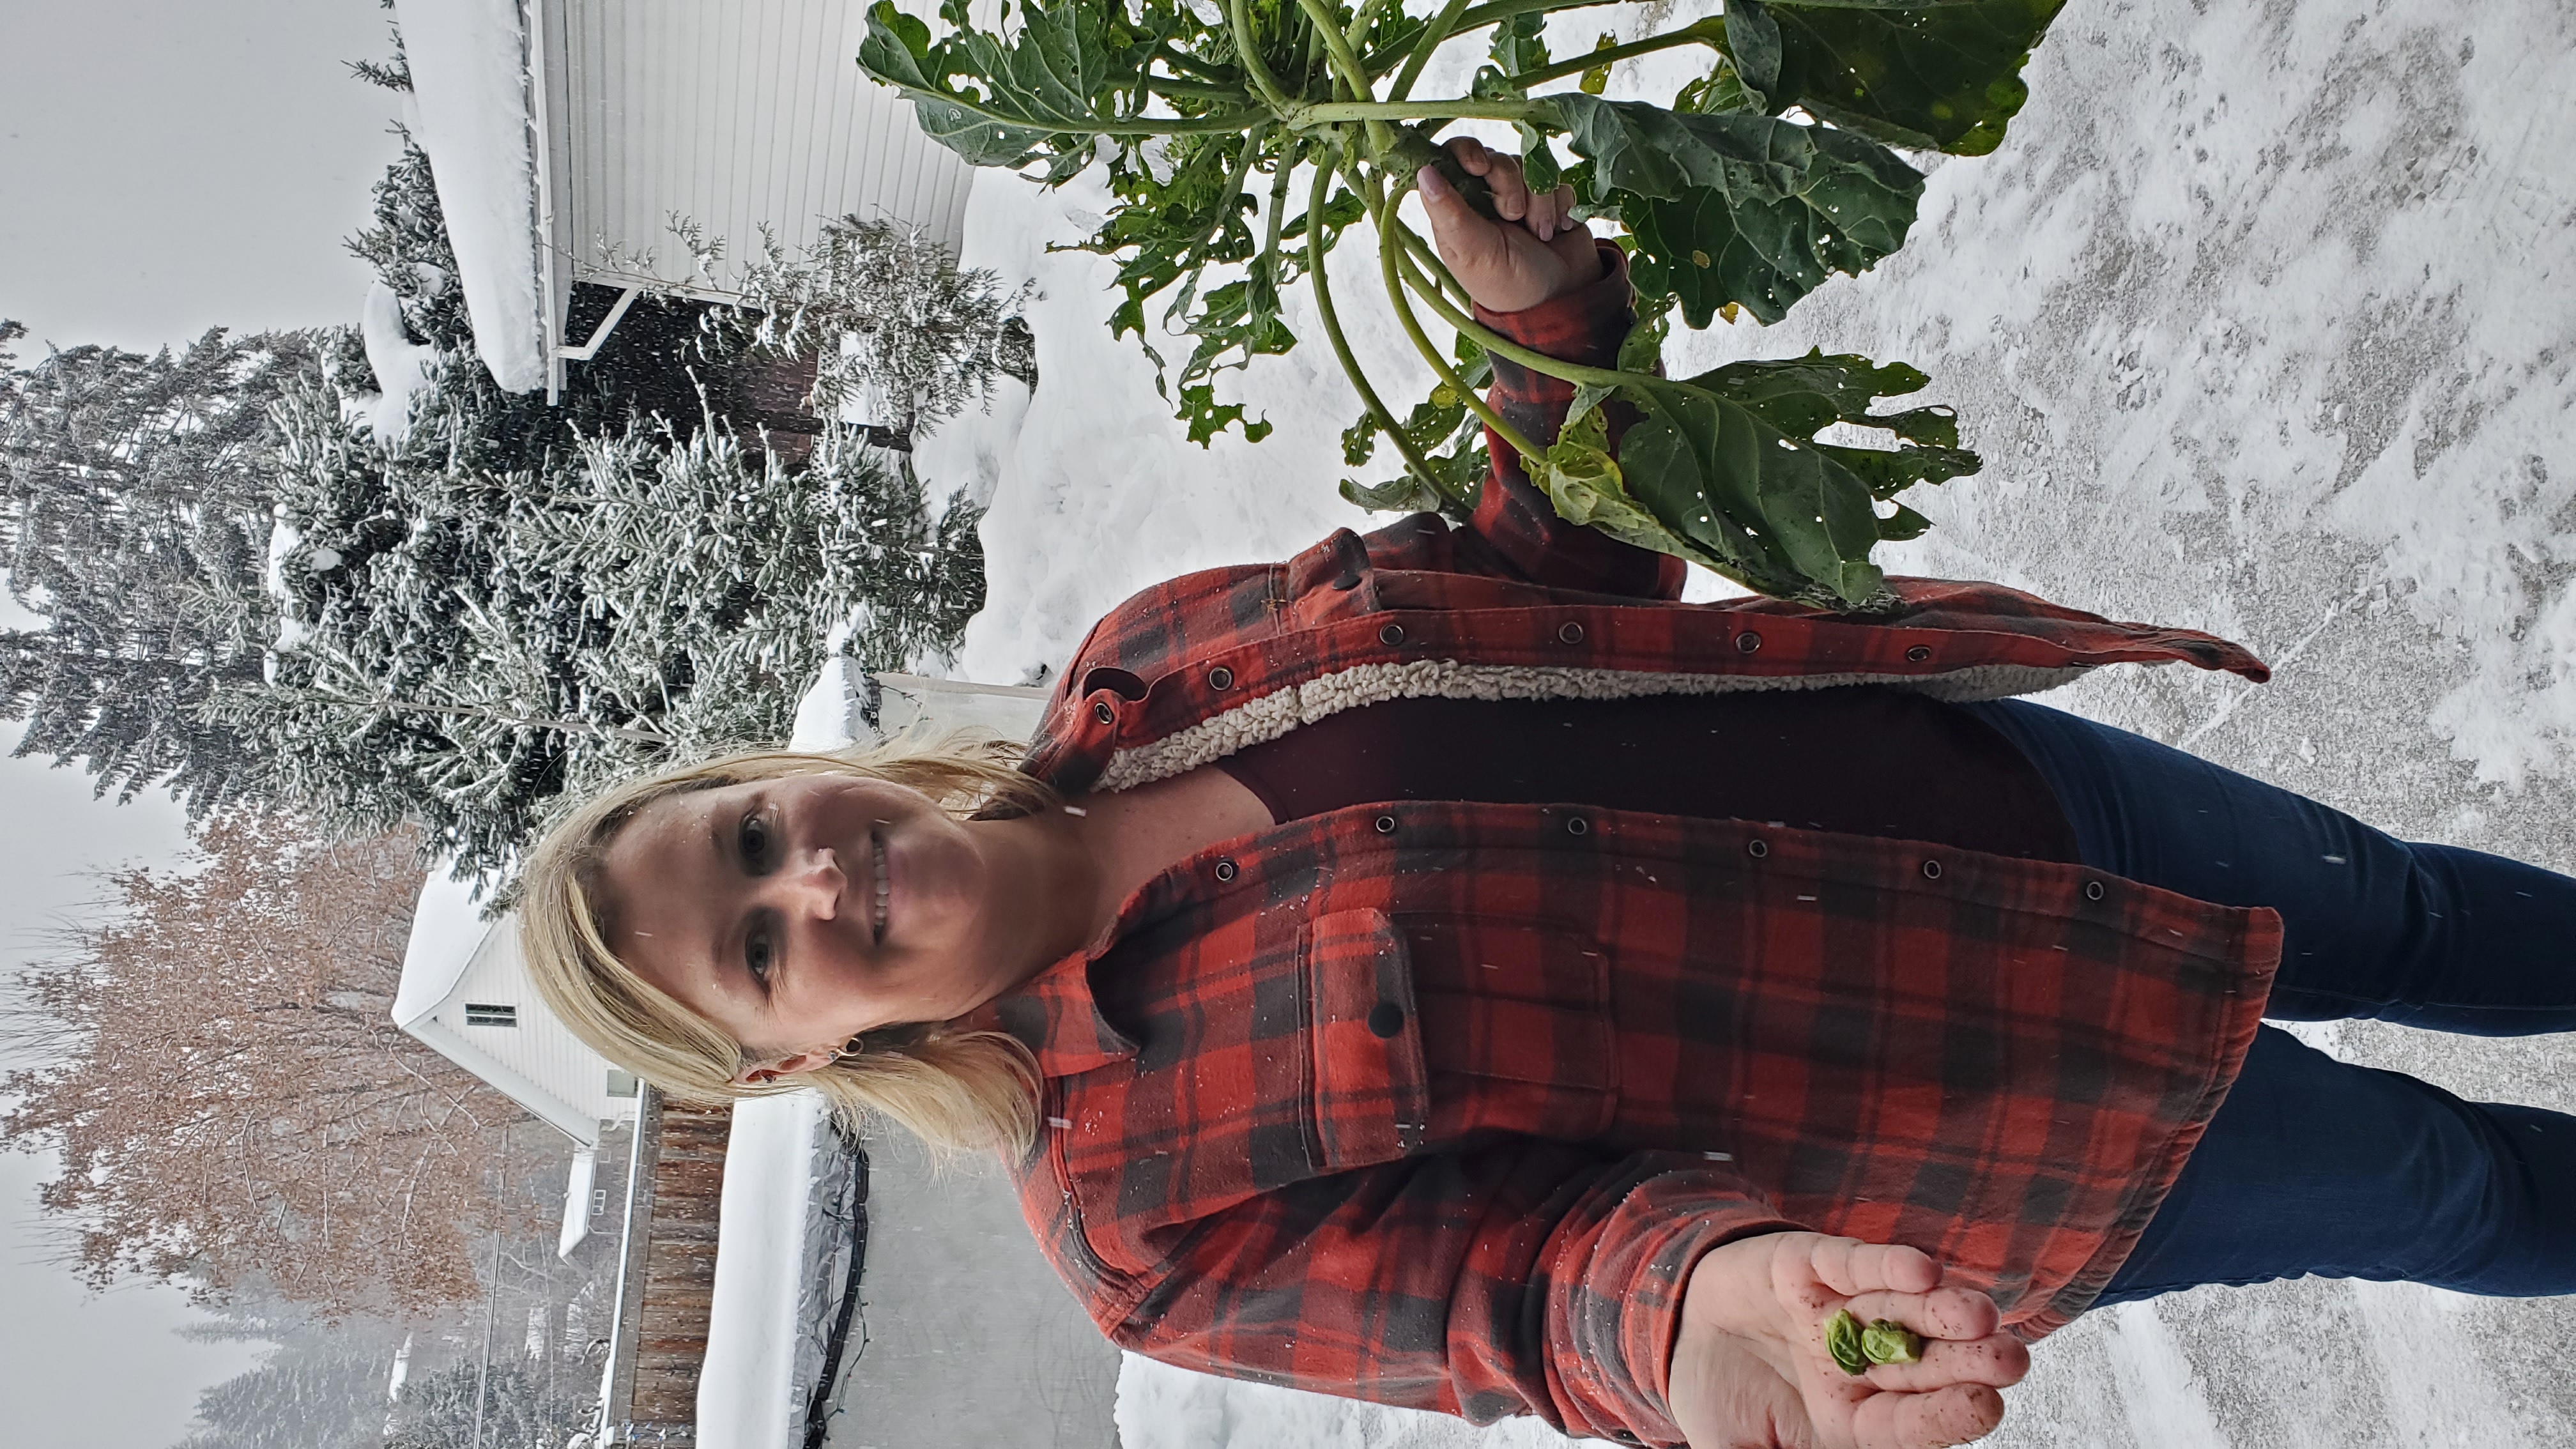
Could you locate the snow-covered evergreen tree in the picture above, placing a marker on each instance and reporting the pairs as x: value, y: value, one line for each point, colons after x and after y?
x: 134, y: 514
x: 345, y: 572
x: 926, y: 339
x: 304, y: 1397
x: 489, y: 601
x: 438, y: 1411
x: 469, y: 646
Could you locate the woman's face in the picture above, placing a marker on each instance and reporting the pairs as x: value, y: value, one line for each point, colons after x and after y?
x: 795, y: 914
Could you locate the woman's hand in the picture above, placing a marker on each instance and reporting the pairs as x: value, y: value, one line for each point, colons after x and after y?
x: 1535, y: 252
x: 1750, y: 1370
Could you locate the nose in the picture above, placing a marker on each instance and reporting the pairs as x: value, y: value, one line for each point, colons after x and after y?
x: 812, y: 884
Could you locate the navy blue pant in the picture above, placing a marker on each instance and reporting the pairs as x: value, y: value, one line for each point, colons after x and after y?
x: 2314, y: 1165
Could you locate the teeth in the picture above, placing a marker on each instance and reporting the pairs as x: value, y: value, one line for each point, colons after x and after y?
x: 885, y: 890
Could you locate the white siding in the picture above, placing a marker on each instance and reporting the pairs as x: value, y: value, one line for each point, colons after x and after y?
x: 732, y: 115
x: 540, y: 1048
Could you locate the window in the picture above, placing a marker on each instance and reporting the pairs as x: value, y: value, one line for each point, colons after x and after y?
x: 478, y: 1014
x: 620, y: 1084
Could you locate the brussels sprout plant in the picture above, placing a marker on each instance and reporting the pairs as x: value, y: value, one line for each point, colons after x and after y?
x: 1247, y: 136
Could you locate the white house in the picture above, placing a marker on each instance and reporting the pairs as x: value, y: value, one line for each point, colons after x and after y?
x: 565, y: 135
x: 466, y: 993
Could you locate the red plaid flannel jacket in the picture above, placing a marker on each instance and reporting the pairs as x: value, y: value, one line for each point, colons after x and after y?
x: 1436, y: 1104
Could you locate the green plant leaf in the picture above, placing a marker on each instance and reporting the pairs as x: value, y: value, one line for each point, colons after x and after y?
x: 1937, y: 74
x: 1520, y: 43
x: 1727, y: 468
x: 1538, y: 159
x: 1206, y: 417
x: 1738, y: 207
x: 1597, y: 79
x: 1718, y: 92
x: 1753, y: 39
x: 1051, y: 86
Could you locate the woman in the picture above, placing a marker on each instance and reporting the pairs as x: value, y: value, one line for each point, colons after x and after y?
x: 1443, y: 969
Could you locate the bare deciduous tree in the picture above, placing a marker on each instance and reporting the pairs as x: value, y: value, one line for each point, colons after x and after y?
x: 231, y: 1097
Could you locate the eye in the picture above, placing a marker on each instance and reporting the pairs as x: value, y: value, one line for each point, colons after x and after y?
x: 751, y: 842
x: 757, y: 954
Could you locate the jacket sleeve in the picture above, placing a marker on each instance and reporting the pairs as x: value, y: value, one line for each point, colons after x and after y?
x: 1530, y: 1278
x: 1513, y: 518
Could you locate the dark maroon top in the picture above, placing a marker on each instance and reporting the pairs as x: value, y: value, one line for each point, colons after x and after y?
x: 1863, y: 760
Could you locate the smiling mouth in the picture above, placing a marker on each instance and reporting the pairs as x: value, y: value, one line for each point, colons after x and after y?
x: 884, y: 887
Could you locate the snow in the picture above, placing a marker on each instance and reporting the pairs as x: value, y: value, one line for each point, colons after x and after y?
x: 827, y: 715
x: 283, y: 540
x: 1162, y: 1407
x: 446, y: 925
x: 746, y: 1387
x: 578, y: 1183
x: 2261, y: 319
x: 402, y: 366
x: 468, y: 72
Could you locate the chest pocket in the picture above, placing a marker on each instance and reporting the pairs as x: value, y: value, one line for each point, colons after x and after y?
x: 1368, y: 1097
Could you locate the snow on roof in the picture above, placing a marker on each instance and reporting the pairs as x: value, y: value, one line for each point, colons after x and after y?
x: 446, y: 927
x: 468, y: 73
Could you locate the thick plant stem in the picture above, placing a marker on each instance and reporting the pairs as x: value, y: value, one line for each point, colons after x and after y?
x: 1279, y: 204
x: 1473, y: 19
x: 1248, y: 50
x: 1439, y: 30
x: 1133, y: 126
x: 1338, y: 46
x: 1689, y: 35
x: 1390, y: 256
x: 1494, y: 12
x: 1326, y: 113
x: 1347, y: 63
x: 1414, y: 462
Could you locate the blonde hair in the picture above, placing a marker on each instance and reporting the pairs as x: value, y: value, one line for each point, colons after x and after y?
x: 956, y: 1091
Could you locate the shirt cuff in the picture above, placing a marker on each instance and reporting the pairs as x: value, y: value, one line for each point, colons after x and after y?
x: 1627, y: 1274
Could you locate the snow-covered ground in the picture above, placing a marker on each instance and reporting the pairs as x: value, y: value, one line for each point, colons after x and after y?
x: 2264, y: 320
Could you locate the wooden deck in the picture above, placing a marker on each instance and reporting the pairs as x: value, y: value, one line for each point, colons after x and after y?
x: 671, y: 1274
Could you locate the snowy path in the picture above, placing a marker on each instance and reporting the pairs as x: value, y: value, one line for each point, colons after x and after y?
x: 2265, y: 321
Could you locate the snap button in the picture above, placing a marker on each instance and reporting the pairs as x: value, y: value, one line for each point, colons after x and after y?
x: 2093, y: 890
x: 1391, y: 635
x: 1918, y: 653
x: 1386, y: 825
x: 1224, y: 870
x: 1931, y: 870
x: 1220, y: 678
x: 1747, y: 642
x: 1570, y: 633
x: 1757, y: 848
x: 1578, y: 826
x: 1101, y: 711
x: 1385, y: 1019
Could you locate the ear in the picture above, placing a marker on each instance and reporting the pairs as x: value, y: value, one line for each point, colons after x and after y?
x: 767, y: 1072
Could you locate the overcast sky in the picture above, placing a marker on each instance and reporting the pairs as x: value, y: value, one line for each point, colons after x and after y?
x: 165, y: 166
